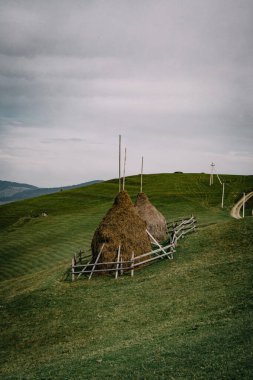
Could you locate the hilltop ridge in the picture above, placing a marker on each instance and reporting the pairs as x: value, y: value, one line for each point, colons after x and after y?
x: 14, y: 191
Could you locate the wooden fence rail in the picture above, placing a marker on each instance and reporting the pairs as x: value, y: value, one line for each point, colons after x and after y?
x: 176, y: 231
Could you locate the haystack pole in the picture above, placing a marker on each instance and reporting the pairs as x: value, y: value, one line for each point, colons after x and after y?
x: 141, y: 172
x: 119, y: 163
x: 124, y: 171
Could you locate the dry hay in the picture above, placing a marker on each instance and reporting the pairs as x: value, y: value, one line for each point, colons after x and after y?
x: 156, y: 222
x: 120, y: 226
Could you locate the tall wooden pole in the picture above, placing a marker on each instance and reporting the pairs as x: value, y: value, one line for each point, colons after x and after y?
x: 124, y: 172
x: 141, y: 172
x: 119, y: 163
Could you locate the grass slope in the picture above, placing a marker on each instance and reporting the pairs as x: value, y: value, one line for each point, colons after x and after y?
x: 190, y: 318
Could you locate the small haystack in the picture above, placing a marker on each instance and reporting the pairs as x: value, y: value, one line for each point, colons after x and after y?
x: 156, y: 222
x: 120, y: 226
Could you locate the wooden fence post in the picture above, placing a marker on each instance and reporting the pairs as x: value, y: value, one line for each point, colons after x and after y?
x: 121, y: 266
x: 73, y: 269
x: 117, y: 265
x: 132, y: 264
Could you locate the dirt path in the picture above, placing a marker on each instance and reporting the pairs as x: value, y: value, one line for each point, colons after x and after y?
x: 235, y: 212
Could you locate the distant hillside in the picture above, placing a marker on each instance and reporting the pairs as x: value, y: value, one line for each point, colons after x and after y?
x: 14, y: 191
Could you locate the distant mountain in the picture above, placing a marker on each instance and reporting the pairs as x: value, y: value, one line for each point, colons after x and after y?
x: 14, y: 191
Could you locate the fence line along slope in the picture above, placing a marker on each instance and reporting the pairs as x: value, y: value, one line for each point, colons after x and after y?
x: 83, y: 264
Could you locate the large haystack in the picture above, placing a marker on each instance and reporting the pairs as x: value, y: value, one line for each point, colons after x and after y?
x: 120, y: 226
x: 156, y: 222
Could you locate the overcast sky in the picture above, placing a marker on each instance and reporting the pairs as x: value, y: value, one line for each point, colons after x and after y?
x: 174, y: 77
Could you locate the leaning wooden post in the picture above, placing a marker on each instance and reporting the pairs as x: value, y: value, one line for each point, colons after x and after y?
x: 84, y: 268
x: 174, y: 240
x: 73, y: 269
x: 117, y: 265
x: 156, y: 243
x: 94, y: 266
x: 132, y: 264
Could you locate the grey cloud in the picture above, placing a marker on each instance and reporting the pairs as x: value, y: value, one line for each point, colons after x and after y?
x: 61, y: 140
x: 69, y: 140
x: 169, y: 76
x: 143, y: 29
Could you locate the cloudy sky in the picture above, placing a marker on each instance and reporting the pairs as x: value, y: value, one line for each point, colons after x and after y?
x: 174, y: 77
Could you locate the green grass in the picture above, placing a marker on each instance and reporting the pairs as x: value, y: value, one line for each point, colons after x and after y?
x: 189, y: 318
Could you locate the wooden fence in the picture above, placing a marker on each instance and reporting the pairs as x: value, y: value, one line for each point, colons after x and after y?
x: 82, y: 264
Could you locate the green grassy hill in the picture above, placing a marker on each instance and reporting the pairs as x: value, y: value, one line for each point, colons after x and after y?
x: 186, y: 319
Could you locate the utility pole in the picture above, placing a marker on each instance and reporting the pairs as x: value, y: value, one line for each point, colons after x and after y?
x: 211, y: 174
x: 222, y: 199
